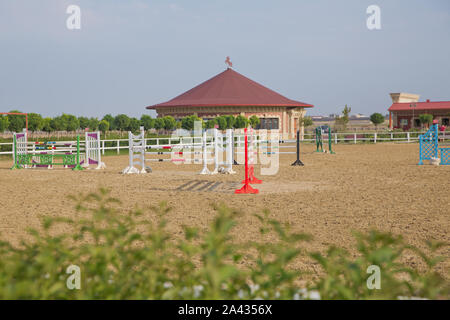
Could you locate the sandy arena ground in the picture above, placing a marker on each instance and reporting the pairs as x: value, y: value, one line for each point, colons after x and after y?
x: 361, y: 187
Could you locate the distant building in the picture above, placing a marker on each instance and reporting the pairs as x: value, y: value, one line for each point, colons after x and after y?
x: 406, y: 108
x: 230, y: 93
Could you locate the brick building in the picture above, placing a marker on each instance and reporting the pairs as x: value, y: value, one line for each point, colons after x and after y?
x: 406, y: 109
x: 230, y: 93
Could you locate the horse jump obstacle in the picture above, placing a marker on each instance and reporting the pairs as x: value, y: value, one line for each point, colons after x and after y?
x: 138, y: 150
x: 218, y: 145
x: 92, y: 150
x: 51, y: 153
x: 319, y: 141
x: 429, y: 147
x: 257, y: 143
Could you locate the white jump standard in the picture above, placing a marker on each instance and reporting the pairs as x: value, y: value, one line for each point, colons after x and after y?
x: 136, y: 151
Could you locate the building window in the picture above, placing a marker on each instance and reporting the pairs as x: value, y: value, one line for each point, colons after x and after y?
x: 404, y: 122
x: 445, y: 121
x: 269, y: 123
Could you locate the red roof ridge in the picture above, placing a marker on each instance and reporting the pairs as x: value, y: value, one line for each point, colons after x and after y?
x: 422, y: 102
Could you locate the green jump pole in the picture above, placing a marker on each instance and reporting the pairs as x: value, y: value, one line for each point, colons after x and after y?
x: 319, y: 140
x: 16, y: 164
x: 78, y: 167
x: 329, y: 141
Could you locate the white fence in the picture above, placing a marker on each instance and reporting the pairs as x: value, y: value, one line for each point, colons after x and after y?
x: 353, y: 137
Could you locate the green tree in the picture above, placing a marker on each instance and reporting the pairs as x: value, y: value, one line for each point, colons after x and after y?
x: 93, y: 124
x: 306, y: 121
x: 159, y: 123
x: 103, y: 126
x: 147, y: 122
x: 343, y: 120
x: 426, y: 119
x: 222, y: 122
x: 47, y: 125
x: 241, y: 122
x: 376, y: 119
x: 58, y: 124
x: 84, y: 122
x: 254, y: 121
x: 35, y: 122
x: 3, y: 123
x: 134, y: 125
x: 210, y: 124
x: 110, y: 119
x: 169, y: 123
x: 187, y: 123
x: 16, y: 123
x: 230, y: 121
x: 72, y: 123
x: 122, y: 122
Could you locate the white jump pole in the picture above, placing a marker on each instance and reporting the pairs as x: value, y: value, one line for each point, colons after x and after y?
x: 205, y: 156
x: 216, y: 152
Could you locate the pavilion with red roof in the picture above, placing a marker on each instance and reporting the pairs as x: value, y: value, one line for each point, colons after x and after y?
x: 231, y: 93
x: 406, y: 108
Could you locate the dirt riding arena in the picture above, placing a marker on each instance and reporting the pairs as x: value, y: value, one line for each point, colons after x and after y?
x: 359, y: 188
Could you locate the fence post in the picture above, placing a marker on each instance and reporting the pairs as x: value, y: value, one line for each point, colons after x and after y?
x: 375, y: 138
x: 335, y: 138
x: 103, y: 147
x: 118, y: 146
x: 354, y: 138
x: 392, y: 136
x: 407, y: 135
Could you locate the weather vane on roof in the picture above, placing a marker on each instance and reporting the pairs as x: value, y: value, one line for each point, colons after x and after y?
x: 228, y: 62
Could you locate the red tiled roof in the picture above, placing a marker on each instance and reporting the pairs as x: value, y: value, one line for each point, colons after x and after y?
x: 230, y: 88
x: 429, y: 105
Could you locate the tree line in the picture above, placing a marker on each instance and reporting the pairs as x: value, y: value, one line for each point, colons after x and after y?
x: 120, y: 122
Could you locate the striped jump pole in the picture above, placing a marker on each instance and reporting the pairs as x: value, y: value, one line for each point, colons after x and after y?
x: 205, y: 169
x: 247, y: 188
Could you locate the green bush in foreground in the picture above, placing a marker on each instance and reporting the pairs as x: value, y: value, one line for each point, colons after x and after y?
x: 122, y: 255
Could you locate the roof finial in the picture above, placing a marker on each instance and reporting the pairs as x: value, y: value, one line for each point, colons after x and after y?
x: 229, y: 63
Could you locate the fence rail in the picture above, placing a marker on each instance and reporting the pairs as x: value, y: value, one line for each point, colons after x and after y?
x: 351, y: 137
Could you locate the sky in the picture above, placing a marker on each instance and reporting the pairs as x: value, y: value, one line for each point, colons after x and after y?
x: 131, y: 54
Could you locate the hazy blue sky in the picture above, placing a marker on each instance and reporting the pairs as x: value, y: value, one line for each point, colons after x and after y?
x: 130, y: 54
